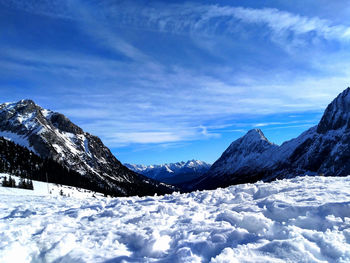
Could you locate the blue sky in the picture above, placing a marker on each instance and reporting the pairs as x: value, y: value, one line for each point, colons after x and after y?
x: 165, y: 81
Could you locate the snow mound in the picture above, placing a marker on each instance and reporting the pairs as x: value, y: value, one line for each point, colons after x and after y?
x: 305, y: 219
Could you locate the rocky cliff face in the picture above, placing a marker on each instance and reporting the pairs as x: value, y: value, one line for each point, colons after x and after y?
x: 323, y: 149
x: 337, y: 114
x: 52, y: 135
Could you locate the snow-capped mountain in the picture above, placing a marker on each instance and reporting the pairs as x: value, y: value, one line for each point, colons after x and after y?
x: 18, y: 160
x: 52, y: 135
x: 243, y: 153
x: 172, y: 173
x: 323, y: 149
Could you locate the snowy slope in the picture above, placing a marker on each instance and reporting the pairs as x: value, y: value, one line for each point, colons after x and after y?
x: 305, y: 219
x: 172, y: 173
x: 44, y: 189
x: 52, y: 135
x: 322, y: 149
x: 244, y: 153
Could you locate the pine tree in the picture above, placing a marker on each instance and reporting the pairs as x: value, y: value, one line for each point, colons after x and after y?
x: 30, y: 184
x: 22, y: 183
x: 12, y: 182
x: 5, y: 183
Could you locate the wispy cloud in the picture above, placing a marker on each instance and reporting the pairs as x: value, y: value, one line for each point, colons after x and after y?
x: 135, y: 116
x: 218, y: 19
x: 288, y: 123
x: 145, y: 137
x: 185, y: 17
x: 144, y: 99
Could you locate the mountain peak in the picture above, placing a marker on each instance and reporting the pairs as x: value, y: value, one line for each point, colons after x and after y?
x: 21, y: 103
x: 256, y: 134
x: 253, y: 141
x: 337, y: 114
x: 26, y: 102
x: 242, y: 153
x: 52, y: 135
x: 24, y: 106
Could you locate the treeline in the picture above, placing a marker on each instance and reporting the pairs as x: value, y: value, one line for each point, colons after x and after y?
x: 19, y: 161
x: 23, y: 183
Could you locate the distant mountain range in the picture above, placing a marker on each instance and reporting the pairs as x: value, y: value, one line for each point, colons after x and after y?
x: 322, y: 150
x: 172, y: 173
x: 82, y: 160
x: 51, y: 135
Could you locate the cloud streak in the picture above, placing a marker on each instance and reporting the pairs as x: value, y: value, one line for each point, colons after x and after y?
x: 147, y: 111
x: 217, y: 20
x: 143, y: 99
x: 185, y: 17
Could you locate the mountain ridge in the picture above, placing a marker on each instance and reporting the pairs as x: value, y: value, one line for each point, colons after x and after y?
x: 172, y: 173
x: 322, y: 149
x: 52, y: 135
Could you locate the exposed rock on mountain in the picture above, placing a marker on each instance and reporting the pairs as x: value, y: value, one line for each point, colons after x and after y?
x: 323, y: 149
x: 19, y: 161
x: 52, y: 135
x: 243, y: 154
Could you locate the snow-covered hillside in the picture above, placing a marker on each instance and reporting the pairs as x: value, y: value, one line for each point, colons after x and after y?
x: 51, y: 135
x: 305, y: 219
x: 42, y: 189
x: 172, y: 173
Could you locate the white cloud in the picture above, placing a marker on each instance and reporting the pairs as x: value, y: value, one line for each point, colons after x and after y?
x: 174, y: 106
x: 216, y: 19
x: 179, y: 18
x: 281, y: 21
x: 144, y: 137
x: 287, y: 124
x: 143, y: 101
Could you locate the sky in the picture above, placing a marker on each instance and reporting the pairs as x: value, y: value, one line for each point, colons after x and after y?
x: 166, y: 81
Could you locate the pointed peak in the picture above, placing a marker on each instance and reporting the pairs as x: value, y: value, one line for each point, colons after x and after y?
x: 345, y: 92
x: 343, y: 99
x: 256, y: 134
x: 22, y: 103
x: 337, y: 113
x: 26, y: 102
x: 22, y: 106
x: 192, y: 161
x: 255, y: 131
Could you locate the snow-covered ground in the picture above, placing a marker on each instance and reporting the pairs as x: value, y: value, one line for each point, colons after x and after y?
x: 306, y: 219
x: 42, y: 189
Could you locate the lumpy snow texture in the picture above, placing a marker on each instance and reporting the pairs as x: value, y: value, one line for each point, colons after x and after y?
x: 305, y: 219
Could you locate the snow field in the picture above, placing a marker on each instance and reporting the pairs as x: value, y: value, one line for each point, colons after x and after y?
x: 305, y: 219
x: 42, y: 189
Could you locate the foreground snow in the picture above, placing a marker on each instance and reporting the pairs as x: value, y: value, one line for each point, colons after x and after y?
x: 298, y: 220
